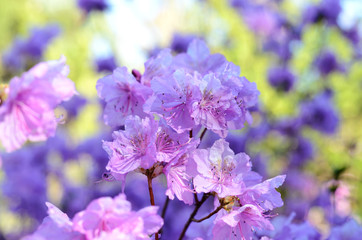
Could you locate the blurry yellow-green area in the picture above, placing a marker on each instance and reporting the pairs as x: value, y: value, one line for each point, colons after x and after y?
x: 218, y: 23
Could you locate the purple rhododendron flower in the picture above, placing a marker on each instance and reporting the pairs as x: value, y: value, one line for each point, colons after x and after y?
x: 281, y: 78
x: 204, y: 90
x: 124, y: 96
x: 133, y: 148
x: 27, y: 113
x: 219, y: 170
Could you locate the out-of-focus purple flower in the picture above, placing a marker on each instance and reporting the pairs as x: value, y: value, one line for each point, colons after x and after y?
x: 328, y: 10
x: 27, y: 113
x: 29, y: 50
x: 261, y: 20
x: 124, y: 96
x: 281, y: 78
x: 285, y: 229
x: 106, y: 214
x: 74, y: 105
x: 13, y: 58
x: 39, y: 39
x: 288, y: 126
x: 56, y: 226
x: 320, y: 114
x: 92, y: 5
x: 351, y: 230
x: 180, y: 42
x: 312, y: 14
x: 302, y: 151
x: 331, y: 10
x: 25, y: 181
x: 107, y: 64
x: 326, y: 63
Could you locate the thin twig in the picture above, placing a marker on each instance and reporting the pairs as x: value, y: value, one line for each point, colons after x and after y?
x: 203, y: 134
x: 150, y: 190
x: 210, y: 215
x: 165, y: 205
x: 193, y: 214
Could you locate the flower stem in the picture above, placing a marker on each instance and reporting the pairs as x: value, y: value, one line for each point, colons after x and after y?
x: 210, y: 215
x: 150, y: 190
x: 193, y: 214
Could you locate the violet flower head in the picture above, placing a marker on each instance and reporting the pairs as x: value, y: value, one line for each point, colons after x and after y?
x: 320, y: 114
x: 134, y: 147
x: 27, y: 113
x: 107, y: 64
x: 92, y: 5
x: 105, y: 215
x: 124, y: 96
x: 331, y: 10
x: 281, y: 78
x: 326, y: 63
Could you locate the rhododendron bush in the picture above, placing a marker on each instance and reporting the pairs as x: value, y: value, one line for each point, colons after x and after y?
x: 180, y: 120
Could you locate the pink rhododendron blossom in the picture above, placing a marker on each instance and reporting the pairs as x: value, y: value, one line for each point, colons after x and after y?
x: 105, y: 215
x: 124, y: 96
x: 27, y: 112
x: 57, y: 226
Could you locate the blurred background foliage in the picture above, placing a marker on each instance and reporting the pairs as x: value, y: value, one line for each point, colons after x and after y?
x: 84, y: 37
